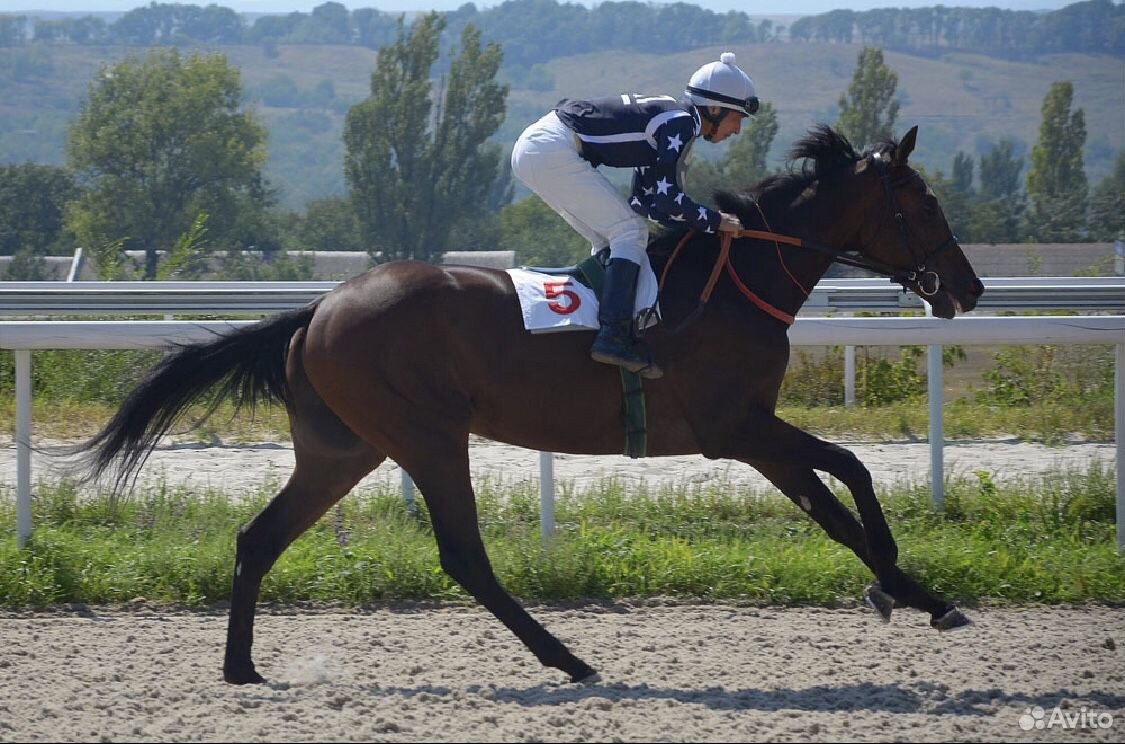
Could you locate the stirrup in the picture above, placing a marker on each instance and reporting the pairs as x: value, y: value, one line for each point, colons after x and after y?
x: 647, y: 369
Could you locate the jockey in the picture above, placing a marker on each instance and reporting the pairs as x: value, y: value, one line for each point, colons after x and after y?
x: 557, y: 157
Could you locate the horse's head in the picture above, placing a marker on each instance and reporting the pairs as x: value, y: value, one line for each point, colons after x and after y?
x: 906, y: 230
x: 840, y: 203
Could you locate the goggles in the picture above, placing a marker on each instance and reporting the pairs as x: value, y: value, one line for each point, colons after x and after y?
x: 749, y: 105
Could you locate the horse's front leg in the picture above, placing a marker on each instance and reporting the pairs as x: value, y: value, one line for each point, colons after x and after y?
x: 786, y: 456
x: 805, y: 489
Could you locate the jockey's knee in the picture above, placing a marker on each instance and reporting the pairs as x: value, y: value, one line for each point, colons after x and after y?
x: 628, y: 239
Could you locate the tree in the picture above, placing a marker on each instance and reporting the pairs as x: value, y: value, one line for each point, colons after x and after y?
x: 373, y: 29
x: 328, y: 225
x: 1107, y: 204
x: 868, y: 111
x: 1000, y: 171
x: 997, y: 212
x: 963, y: 173
x: 12, y: 30
x: 330, y: 23
x: 956, y: 195
x: 1056, y: 181
x: 413, y: 170
x: 158, y: 141
x: 32, y: 199
x: 539, y: 236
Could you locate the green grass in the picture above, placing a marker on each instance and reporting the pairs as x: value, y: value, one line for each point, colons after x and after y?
x: 1044, y: 540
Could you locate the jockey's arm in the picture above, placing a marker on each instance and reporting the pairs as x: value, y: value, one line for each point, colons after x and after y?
x: 667, y: 201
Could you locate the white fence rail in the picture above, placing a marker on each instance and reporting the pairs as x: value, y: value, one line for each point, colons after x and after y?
x: 243, y: 298
x: 25, y: 336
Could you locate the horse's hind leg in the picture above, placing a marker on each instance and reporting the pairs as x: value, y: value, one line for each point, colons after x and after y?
x: 316, y: 484
x: 330, y: 460
x: 440, y: 468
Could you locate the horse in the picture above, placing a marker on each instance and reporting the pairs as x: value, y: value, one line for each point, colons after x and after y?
x: 408, y: 359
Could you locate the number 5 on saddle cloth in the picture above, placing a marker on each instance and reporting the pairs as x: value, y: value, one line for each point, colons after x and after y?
x: 566, y: 299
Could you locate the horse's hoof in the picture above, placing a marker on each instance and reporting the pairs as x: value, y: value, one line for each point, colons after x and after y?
x: 951, y: 620
x: 245, y: 676
x: 879, y: 600
x: 590, y: 679
x: 583, y: 672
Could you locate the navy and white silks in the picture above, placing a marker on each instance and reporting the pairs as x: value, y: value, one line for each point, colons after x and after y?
x: 557, y: 157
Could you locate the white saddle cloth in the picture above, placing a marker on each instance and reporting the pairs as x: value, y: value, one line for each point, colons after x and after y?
x: 551, y: 303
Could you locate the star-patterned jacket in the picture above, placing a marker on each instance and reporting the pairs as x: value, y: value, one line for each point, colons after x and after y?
x: 652, y: 135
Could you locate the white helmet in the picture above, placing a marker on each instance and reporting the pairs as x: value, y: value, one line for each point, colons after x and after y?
x: 723, y: 84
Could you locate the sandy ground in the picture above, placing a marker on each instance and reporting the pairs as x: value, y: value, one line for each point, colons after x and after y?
x: 669, y: 673
x: 240, y: 467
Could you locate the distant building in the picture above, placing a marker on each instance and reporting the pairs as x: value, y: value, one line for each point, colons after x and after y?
x: 1029, y: 259
x: 1041, y: 259
x: 326, y: 265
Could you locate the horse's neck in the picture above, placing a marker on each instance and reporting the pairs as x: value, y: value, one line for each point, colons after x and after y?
x: 825, y: 217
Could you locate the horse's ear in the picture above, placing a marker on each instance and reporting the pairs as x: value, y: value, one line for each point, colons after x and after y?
x: 906, y: 146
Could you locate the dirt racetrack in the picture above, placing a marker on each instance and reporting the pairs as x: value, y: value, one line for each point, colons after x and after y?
x: 669, y: 673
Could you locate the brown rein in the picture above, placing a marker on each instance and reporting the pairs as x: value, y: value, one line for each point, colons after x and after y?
x: 723, y: 261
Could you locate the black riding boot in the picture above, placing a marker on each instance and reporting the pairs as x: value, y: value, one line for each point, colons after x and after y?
x: 615, y: 343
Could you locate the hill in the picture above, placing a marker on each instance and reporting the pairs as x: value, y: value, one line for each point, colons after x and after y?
x: 302, y: 92
x: 960, y: 101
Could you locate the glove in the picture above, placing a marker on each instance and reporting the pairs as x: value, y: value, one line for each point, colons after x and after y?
x: 729, y: 223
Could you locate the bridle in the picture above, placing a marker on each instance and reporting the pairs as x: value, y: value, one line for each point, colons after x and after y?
x: 920, y: 278
x: 923, y: 280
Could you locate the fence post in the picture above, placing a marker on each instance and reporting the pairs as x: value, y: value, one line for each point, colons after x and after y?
x: 1119, y: 436
x: 76, y: 262
x: 937, y: 428
x: 849, y: 376
x: 546, y: 495
x: 408, y: 492
x: 934, y: 384
x: 23, y: 446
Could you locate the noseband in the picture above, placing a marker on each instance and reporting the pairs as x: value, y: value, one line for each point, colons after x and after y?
x: 923, y: 280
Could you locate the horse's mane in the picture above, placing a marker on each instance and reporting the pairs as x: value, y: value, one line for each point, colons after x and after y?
x: 819, y: 153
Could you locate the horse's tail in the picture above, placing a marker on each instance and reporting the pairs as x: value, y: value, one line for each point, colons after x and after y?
x: 247, y: 365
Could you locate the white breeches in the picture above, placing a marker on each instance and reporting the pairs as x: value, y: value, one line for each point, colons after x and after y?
x: 546, y: 158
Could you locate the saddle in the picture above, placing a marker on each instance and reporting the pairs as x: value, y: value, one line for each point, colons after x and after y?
x: 591, y: 273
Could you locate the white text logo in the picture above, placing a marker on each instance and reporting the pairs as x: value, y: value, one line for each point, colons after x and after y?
x: 1083, y: 718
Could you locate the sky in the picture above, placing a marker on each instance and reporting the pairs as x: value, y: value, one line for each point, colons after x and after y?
x: 754, y: 7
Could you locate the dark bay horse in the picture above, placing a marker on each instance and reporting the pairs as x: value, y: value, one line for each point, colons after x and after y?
x: 408, y: 359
